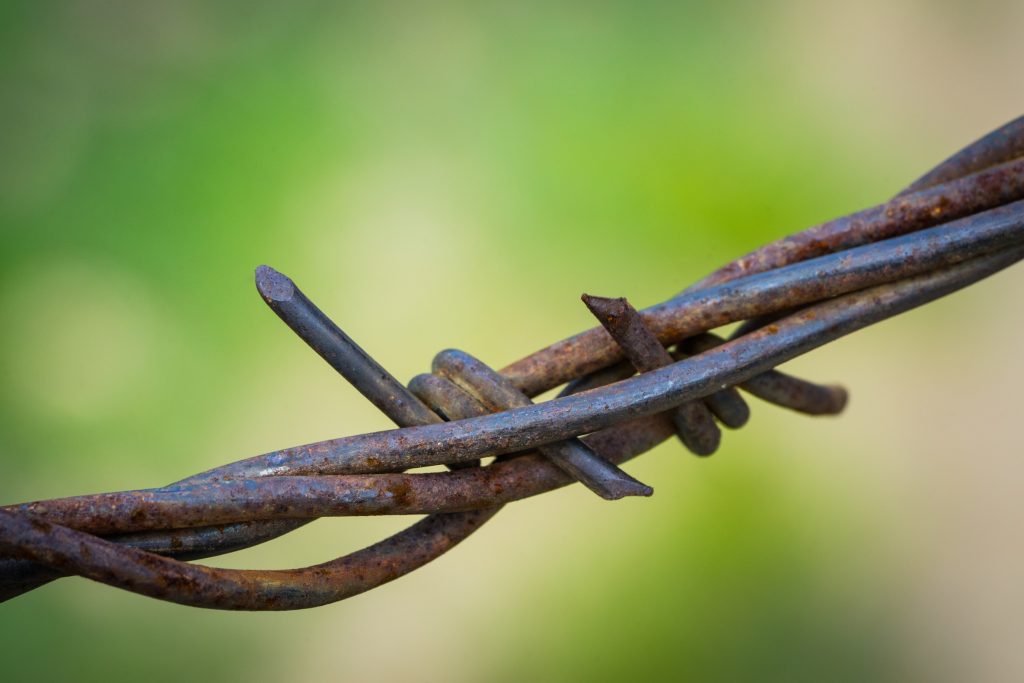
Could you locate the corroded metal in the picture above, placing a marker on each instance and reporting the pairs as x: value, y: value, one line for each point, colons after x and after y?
x: 959, y: 223
x: 787, y: 286
x: 571, y: 455
x: 694, y: 422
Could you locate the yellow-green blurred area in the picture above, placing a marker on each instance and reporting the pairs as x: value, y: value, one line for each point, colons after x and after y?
x: 455, y: 175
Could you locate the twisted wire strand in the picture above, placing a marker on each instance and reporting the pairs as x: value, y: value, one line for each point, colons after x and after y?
x: 216, y: 540
x: 959, y: 223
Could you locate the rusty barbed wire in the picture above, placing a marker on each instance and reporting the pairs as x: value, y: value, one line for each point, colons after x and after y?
x: 958, y: 224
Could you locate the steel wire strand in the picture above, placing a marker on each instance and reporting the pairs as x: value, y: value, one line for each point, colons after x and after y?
x: 305, y: 497
x: 1004, y: 144
x: 995, y: 225
x: 909, y: 210
x: 694, y: 421
x: 996, y: 147
x: 452, y: 442
x: 343, y: 354
x: 904, y: 213
x: 1000, y: 145
x: 757, y: 293
x: 382, y: 452
x: 87, y: 555
x: 286, y: 496
x: 323, y: 336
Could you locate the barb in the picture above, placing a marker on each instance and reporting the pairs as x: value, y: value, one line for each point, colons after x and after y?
x: 694, y: 423
x: 961, y: 222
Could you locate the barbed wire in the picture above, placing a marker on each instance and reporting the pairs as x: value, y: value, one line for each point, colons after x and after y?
x: 958, y: 224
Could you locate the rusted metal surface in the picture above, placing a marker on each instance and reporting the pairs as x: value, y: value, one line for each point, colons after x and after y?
x: 694, y: 423
x: 189, y: 584
x: 340, y: 351
x: 304, y: 497
x: 778, y: 387
x: 571, y: 455
x: 956, y: 225
x: 905, y: 213
x: 1001, y: 145
x: 783, y: 288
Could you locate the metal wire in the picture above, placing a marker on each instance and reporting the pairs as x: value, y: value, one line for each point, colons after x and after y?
x: 961, y: 222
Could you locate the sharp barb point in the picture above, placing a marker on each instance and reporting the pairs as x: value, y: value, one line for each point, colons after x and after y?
x: 272, y: 285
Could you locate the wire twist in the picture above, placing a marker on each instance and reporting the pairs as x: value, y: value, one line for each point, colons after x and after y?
x: 958, y: 224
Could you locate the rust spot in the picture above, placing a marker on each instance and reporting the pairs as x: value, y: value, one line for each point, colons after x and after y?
x: 400, y: 490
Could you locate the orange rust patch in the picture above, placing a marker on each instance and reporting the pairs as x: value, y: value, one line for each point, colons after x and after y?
x: 400, y: 490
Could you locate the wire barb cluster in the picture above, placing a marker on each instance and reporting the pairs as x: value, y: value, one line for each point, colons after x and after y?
x: 961, y: 222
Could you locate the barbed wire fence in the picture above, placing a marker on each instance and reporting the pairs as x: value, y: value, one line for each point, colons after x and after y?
x: 956, y: 225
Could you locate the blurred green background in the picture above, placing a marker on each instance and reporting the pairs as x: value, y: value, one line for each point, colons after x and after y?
x: 504, y: 156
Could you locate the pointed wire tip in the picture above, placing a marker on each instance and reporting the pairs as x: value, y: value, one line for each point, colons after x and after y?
x: 645, y: 491
x: 604, y: 307
x: 272, y: 285
x: 840, y: 398
x: 622, y: 489
x: 620, y: 486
